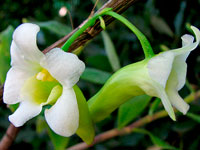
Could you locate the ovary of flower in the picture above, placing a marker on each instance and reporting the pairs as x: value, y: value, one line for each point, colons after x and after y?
x: 35, y: 80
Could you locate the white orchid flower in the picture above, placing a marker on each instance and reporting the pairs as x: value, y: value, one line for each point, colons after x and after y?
x: 167, y: 71
x: 161, y: 76
x: 35, y: 80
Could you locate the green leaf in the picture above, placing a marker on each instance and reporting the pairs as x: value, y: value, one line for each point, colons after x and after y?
x: 155, y: 140
x: 55, y: 27
x: 111, y: 52
x: 161, y: 26
x: 194, y: 117
x: 5, y: 41
x: 154, y: 106
x: 86, y: 127
x: 131, y: 109
x: 178, y: 21
x: 95, y: 76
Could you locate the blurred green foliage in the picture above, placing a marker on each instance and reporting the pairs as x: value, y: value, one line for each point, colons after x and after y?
x: 163, y: 22
x: 5, y: 41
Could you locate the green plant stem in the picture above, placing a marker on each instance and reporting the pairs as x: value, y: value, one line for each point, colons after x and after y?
x: 89, y: 23
x: 129, y: 129
x: 148, y: 51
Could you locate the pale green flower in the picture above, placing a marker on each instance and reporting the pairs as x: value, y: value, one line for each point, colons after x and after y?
x: 161, y: 76
x: 35, y: 80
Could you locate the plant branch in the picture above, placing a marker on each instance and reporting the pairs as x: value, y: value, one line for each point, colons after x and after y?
x: 9, y: 137
x: 129, y: 129
x: 119, y: 6
x: 1, y: 94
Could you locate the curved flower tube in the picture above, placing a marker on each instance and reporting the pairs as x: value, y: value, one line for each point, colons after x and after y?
x: 161, y: 76
x: 35, y: 80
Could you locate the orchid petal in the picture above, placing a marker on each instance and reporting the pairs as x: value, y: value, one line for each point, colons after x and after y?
x: 24, y: 112
x: 187, y: 45
x: 63, y: 116
x: 14, y: 81
x: 187, y: 39
x: 180, y: 67
x: 64, y: 67
x: 20, y: 61
x: 172, y: 93
x: 166, y: 102
x: 179, y: 64
x: 159, y: 67
x: 177, y: 101
x: 24, y: 38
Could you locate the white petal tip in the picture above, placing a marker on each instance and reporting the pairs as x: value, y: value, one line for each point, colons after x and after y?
x: 15, y: 121
x: 174, y: 119
x: 66, y: 131
x: 196, y: 32
x: 194, y: 28
x: 172, y: 116
x: 25, y: 27
x: 63, y: 116
x: 187, y: 39
x: 185, y: 110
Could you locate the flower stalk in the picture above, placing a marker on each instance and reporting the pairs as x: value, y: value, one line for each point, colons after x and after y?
x: 148, y: 51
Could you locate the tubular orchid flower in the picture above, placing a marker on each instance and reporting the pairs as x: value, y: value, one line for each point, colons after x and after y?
x: 161, y: 76
x: 35, y: 80
x: 168, y: 70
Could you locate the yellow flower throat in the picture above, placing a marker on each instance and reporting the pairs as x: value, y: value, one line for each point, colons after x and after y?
x: 44, y: 75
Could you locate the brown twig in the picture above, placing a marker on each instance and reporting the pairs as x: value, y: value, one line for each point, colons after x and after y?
x: 9, y: 137
x: 118, y: 6
x: 93, y: 9
x: 116, y: 132
x: 129, y: 129
x: 70, y: 18
x: 1, y: 94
